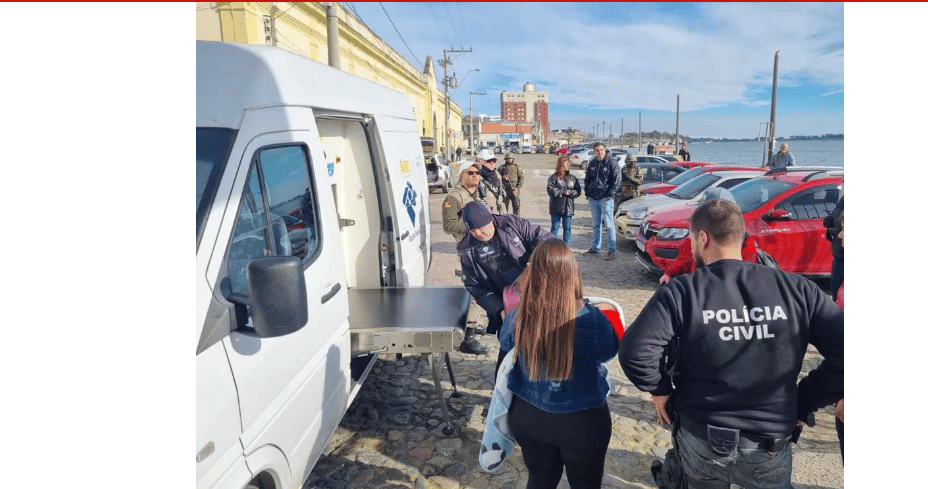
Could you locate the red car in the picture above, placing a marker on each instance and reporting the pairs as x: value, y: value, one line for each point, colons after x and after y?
x: 562, y: 150
x: 783, y: 213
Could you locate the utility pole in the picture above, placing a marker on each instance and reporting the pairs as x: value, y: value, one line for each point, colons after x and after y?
x: 622, y: 130
x: 773, y: 108
x: 639, y: 130
x: 473, y: 149
x: 445, y: 62
x: 676, y: 136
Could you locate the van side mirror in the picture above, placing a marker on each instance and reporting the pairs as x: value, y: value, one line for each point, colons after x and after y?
x: 276, y: 295
x: 778, y: 215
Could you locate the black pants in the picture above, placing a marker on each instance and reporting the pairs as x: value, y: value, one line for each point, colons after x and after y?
x: 551, y: 442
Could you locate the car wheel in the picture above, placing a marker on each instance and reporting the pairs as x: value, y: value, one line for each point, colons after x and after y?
x: 583, y: 165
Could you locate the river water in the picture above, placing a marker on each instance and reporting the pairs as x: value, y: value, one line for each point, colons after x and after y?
x: 751, y: 153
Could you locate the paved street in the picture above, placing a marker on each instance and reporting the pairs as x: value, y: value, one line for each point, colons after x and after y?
x: 392, y: 436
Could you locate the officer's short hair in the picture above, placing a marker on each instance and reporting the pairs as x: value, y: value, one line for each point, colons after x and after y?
x: 721, y: 220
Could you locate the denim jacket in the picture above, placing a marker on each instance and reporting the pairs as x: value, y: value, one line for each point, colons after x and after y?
x: 594, y: 343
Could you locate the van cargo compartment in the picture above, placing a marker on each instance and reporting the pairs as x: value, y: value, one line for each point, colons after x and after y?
x: 407, y: 319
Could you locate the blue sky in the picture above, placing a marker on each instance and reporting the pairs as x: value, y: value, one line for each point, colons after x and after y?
x: 605, y: 61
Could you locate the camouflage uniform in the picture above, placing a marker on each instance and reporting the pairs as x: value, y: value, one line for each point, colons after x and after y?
x: 631, y: 180
x: 455, y: 201
x: 513, y: 178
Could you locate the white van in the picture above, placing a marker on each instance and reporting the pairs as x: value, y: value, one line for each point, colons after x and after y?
x: 312, y: 248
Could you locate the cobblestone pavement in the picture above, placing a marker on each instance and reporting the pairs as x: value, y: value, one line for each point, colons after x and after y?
x: 391, y: 436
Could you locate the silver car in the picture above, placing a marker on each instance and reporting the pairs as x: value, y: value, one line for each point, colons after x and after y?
x: 632, y: 212
x: 438, y: 172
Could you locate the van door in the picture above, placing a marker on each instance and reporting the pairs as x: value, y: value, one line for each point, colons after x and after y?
x: 292, y: 389
x: 410, y: 196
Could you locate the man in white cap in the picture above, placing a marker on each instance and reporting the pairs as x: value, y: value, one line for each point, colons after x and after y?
x: 491, y: 180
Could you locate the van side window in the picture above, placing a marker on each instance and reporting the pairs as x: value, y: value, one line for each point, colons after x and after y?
x: 291, y: 200
x: 277, y: 215
x: 250, y: 238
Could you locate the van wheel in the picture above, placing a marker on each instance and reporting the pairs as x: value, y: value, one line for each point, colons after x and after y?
x: 583, y: 165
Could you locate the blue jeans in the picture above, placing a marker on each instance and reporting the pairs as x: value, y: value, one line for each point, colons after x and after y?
x: 556, y: 221
x: 602, y: 211
x: 756, y: 469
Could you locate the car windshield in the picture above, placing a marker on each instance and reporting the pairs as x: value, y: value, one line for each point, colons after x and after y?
x: 692, y: 188
x: 213, y: 147
x: 758, y: 191
x: 686, y: 176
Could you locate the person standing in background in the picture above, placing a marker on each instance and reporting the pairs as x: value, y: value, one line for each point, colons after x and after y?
x: 782, y: 158
x: 684, y: 153
x: 600, y: 184
x: 491, y: 181
x: 563, y: 189
x: 513, y: 178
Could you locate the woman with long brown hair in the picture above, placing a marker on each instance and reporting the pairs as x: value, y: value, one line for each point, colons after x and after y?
x: 563, y: 188
x: 558, y: 415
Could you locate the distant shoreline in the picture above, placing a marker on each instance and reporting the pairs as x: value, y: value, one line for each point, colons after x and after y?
x: 829, y: 137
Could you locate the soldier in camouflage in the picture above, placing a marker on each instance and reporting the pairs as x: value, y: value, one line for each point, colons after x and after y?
x: 513, y: 178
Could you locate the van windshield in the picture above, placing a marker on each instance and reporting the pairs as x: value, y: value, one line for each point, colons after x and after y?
x: 213, y: 147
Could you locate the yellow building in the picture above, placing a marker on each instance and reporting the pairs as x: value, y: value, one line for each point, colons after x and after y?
x: 302, y: 28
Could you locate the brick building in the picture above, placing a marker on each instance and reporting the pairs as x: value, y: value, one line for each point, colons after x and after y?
x: 528, y: 106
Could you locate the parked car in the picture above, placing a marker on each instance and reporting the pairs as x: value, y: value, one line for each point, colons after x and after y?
x: 629, y: 215
x: 538, y: 148
x: 562, y: 150
x: 584, y: 156
x: 663, y: 188
x: 526, y: 149
x: 438, y: 172
x: 783, y: 213
x: 654, y: 159
x: 659, y: 172
x: 498, y: 150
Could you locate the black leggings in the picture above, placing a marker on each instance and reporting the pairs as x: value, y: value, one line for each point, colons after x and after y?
x: 552, y: 441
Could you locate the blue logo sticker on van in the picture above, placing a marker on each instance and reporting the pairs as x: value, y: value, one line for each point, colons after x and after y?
x: 409, y: 200
x: 331, y: 167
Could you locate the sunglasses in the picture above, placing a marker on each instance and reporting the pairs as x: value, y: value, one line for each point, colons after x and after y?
x: 472, y: 172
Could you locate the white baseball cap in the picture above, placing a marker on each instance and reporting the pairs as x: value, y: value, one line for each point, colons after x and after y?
x: 486, y: 154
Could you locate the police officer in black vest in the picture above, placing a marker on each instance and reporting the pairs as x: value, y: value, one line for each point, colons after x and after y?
x: 734, y: 334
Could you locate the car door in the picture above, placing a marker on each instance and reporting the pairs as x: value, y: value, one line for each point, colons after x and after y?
x: 808, y: 250
x: 292, y: 389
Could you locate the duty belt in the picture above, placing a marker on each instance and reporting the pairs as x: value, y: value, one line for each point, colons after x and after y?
x: 745, y: 440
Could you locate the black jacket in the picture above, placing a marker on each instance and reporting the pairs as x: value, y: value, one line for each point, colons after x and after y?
x: 562, y: 194
x: 519, y: 238
x: 602, y: 179
x: 743, y: 330
x: 832, y: 225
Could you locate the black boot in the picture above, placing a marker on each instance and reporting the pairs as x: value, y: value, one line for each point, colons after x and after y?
x: 471, y: 345
x: 480, y: 330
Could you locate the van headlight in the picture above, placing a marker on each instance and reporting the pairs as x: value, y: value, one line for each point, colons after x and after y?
x: 672, y: 234
x: 638, y: 213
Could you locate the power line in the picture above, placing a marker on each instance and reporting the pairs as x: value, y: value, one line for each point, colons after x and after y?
x: 437, y: 23
x: 401, y: 36
x: 450, y: 21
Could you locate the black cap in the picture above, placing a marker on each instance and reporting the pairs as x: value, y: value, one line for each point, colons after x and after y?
x: 475, y: 215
